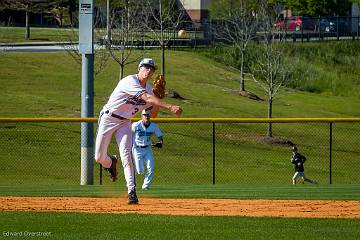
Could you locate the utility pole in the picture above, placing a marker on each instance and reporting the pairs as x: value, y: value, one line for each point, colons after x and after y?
x: 86, y: 48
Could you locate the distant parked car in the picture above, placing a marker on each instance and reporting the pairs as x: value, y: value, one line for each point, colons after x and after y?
x: 335, y: 24
x: 308, y: 23
x: 289, y: 24
x: 327, y: 25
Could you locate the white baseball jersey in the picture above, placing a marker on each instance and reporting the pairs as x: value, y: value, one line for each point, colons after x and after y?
x: 125, y: 100
x: 142, y: 134
x: 141, y: 150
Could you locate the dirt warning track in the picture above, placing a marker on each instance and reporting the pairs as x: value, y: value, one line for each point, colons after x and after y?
x: 188, y: 207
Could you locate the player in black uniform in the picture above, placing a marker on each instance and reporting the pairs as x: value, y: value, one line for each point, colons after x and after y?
x: 298, y: 160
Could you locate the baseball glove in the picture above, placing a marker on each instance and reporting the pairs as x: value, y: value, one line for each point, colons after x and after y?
x: 158, y: 145
x: 159, y: 86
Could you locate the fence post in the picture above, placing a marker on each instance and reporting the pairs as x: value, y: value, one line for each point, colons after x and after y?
x: 357, y: 32
x: 320, y: 28
x: 330, y: 155
x: 213, y: 134
x: 337, y: 28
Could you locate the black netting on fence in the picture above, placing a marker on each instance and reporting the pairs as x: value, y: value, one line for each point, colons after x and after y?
x: 193, y: 153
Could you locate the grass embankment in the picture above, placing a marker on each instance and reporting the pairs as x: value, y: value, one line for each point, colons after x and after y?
x: 10, y: 35
x: 328, y: 67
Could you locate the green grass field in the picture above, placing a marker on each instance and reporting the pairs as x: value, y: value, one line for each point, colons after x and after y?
x: 228, y: 191
x: 43, y: 158
x: 17, y: 34
x: 112, y: 226
x: 132, y: 226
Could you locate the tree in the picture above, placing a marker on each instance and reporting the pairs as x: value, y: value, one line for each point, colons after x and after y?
x: 269, y: 69
x: 237, y: 26
x: 316, y: 7
x: 161, y: 17
x: 122, y: 33
x: 30, y: 6
x: 101, y: 56
x: 72, y: 7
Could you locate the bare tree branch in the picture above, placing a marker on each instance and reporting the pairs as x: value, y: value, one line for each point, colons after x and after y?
x: 30, y: 6
x: 270, y: 70
x: 238, y: 27
x: 125, y: 26
x: 161, y: 18
x: 72, y: 47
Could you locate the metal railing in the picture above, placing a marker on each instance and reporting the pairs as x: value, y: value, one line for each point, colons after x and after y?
x: 209, y: 32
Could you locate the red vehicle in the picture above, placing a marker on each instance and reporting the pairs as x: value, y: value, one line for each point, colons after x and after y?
x: 289, y: 24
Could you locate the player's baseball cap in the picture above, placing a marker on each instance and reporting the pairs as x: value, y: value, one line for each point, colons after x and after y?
x: 149, y: 62
x: 145, y: 112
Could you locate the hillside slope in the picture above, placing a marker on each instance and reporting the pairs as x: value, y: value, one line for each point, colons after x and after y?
x: 49, y: 84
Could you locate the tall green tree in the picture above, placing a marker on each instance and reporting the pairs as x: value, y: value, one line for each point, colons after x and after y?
x: 316, y: 7
x: 223, y: 9
x: 30, y: 6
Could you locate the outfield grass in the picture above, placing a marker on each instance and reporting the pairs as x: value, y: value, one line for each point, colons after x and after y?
x: 113, y: 226
x: 133, y: 226
x: 228, y: 191
x: 17, y: 34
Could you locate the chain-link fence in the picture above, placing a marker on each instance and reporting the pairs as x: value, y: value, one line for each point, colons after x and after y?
x: 194, y: 152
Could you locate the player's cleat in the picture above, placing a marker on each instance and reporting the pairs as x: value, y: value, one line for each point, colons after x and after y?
x: 132, y: 198
x: 145, y: 188
x: 112, y: 169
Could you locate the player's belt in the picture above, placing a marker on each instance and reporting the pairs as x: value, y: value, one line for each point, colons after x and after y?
x: 142, y: 146
x: 114, y: 115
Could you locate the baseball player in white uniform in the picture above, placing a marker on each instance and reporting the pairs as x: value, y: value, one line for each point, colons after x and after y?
x: 142, y: 131
x: 132, y: 94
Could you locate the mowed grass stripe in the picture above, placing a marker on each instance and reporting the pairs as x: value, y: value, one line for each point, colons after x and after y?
x: 305, y: 192
x: 115, y: 226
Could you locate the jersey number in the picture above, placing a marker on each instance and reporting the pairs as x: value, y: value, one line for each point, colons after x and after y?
x: 135, y: 111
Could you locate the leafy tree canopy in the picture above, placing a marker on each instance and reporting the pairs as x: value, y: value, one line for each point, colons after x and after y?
x: 316, y: 7
x: 222, y: 8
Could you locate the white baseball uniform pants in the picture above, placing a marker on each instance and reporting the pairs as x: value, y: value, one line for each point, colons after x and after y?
x: 302, y: 176
x: 122, y: 129
x: 144, y: 156
x: 296, y: 175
